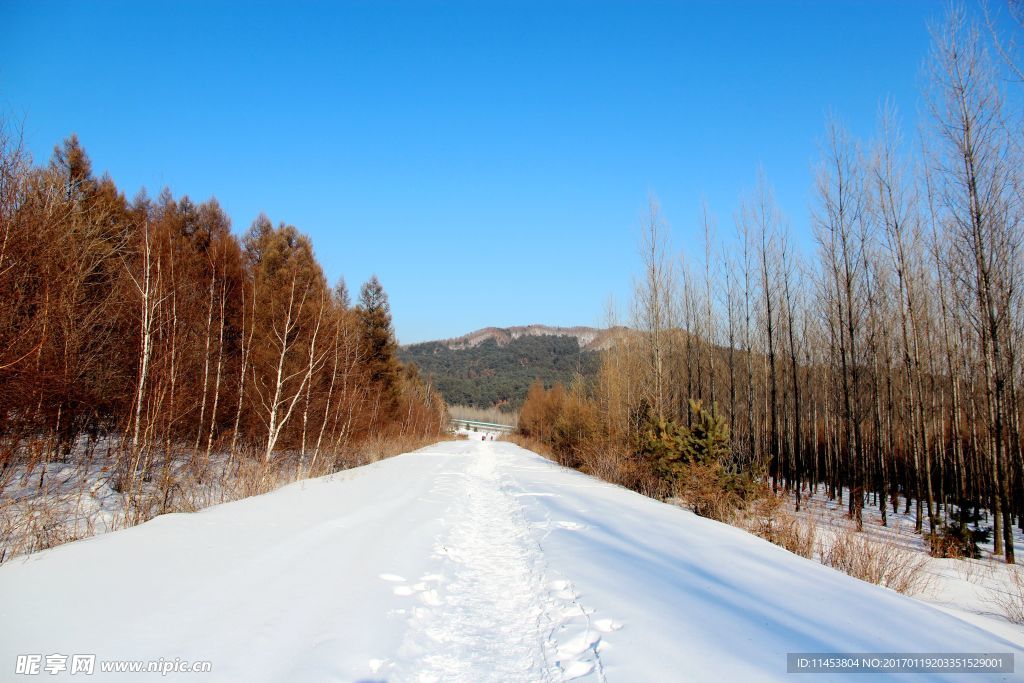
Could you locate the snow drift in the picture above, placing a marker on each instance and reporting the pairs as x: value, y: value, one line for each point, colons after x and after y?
x: 463, y: 561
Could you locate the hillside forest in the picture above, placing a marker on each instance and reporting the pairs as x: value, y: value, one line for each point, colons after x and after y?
x: 498, y: 375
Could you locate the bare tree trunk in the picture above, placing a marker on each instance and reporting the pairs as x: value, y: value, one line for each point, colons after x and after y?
x: 220, y: 369
x: 206, y: 363
x: 246, y: 351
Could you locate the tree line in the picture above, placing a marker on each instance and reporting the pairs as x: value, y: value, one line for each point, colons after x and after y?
x: 149, y: 325
x: 884, y: 367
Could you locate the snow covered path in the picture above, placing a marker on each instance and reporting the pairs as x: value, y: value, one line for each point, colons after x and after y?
x: 495, y: 616
x: 466, y: 561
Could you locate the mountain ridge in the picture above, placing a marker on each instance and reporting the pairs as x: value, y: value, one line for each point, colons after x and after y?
x: 588, y: 338
x: 494, y: 366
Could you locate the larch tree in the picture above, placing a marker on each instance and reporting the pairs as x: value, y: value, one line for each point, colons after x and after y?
x: 379, y: 348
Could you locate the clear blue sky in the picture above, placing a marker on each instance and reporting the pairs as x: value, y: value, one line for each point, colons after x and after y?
x: 490, y: 161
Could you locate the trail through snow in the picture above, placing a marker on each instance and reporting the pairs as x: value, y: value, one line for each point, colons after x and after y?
x: 465, y: 561
x: 486, y: 610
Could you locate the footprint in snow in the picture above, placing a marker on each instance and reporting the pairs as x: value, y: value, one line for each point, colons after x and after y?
x: 568, y: 526
x: 572, y: 611
x: 563, y: 590
x: 578, y: 644
x: 607, y: 625
x: 427, y: 595
x: 571, y: 670
x: 431, y: 598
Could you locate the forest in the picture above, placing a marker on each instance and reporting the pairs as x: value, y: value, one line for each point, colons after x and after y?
x: 489, y: 374
x: 882, y: 365
x: 143, y: 335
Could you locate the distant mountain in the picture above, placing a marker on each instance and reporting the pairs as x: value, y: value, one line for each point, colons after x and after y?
x: 496, y: 365
x: 588, y: 338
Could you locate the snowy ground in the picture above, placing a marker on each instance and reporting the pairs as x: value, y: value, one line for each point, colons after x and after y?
x: 467, y: 561
x: 77, y: 499
x: 74, y: 502
x: 969, y: 588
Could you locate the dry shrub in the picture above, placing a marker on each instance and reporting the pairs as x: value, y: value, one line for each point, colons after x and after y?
x: 380, y: 447
x: 610, y: 463
x: 709, y: 490
x: 701, y: 488
x: 566, y: 420
x: 605, y: 461
x: 530, y: 444
x: 1010, y: 600
x: 245, y: 477
x: 770, y: 520
x: 601, y: 462
x: 38, y: 524
x: 641, y: 479
x: 43, y: 517
x: 883, y: 564
x: 975, y: 571
x: 967, y: 570
x: 945, y: 545
x: 41, y: 521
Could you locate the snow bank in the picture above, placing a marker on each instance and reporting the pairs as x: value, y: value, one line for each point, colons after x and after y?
x: 464, y: 561
x: 969, y: 588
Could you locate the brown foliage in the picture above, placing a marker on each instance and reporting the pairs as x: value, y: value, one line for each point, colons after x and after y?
x: 770, y: 520
x: 565, y: 421
x: 149, y: 325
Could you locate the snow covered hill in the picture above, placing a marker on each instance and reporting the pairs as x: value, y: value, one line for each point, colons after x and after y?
x: 466, y: 561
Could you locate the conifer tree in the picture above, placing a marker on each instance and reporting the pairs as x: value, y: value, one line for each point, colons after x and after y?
x: 707, y: 438
x: 379, y: 346
x: 341, y: 295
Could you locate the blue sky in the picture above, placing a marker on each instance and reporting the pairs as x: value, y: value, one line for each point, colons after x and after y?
x: 490, y: 161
